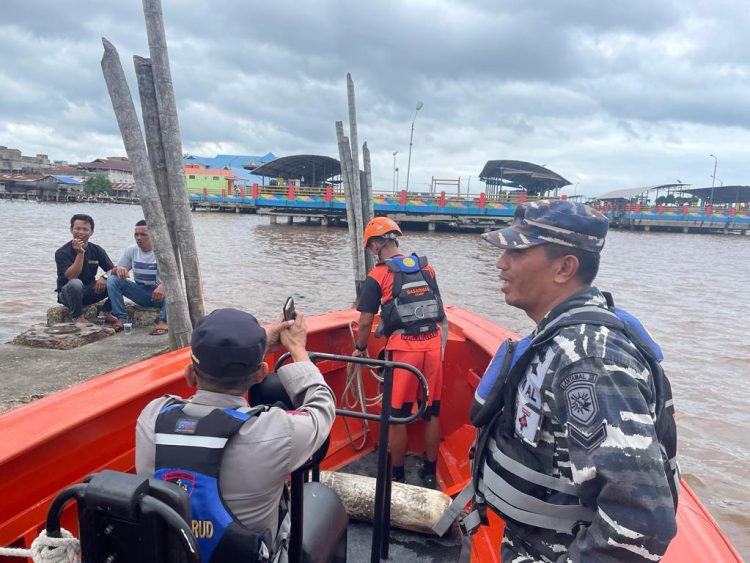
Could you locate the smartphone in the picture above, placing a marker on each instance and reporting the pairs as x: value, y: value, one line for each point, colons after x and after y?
x: 289, y: 312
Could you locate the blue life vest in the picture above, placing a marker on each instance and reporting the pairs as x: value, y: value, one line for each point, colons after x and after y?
x: 189, y: 451
x: 506, y: 477
x: 416, y: 306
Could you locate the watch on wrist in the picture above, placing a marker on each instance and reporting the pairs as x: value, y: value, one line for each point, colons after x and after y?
x: 105, y: 275
x: 360, y: 349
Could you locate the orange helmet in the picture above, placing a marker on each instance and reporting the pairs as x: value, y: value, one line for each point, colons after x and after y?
x: 381, y: 227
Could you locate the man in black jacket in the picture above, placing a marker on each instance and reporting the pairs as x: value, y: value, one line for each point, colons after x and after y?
x: 78, y: 262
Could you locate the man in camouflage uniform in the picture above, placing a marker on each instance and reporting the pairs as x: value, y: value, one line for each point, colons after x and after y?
x: 585, y: 407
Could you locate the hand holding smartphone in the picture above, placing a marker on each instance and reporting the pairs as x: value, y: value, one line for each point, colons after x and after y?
x: 289, y: 313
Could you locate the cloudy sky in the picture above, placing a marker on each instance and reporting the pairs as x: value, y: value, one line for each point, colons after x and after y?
x: 608, y: 94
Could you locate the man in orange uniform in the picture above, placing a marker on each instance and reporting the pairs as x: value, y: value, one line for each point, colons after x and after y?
x: 405, y: 290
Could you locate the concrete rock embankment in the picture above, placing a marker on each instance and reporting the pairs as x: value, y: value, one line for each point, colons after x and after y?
x: 54, y: 356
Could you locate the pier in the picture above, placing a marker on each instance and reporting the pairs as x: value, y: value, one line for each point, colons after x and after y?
x: 682, y: 219
x: 474, y: 212
x: 326, y: 206
x: 724, y: 209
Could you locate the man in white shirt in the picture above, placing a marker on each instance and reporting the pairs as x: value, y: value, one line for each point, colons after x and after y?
x: 145, y: 290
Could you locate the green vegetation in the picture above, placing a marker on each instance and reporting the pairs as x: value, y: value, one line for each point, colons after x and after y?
x: 97, y: 184
x: 671, y: 199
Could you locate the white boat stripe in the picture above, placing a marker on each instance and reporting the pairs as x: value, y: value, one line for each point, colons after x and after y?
x: 191, y: 441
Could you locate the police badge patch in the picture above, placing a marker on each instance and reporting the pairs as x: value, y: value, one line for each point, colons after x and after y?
x: 580, y: 397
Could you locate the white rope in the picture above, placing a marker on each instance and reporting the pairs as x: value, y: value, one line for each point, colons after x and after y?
x: 353, y: 396
x: 66, y: 549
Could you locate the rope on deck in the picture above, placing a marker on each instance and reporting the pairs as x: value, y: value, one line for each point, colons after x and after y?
x: 353, y: 397
x: 66, y: 549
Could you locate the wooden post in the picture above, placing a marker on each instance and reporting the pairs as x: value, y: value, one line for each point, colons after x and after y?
x: 359, y: 185
x: 357, y: 206
x: 368, y: 211
x: 170, y: 130
x: 356, y: 249
x: 127, y: 120
x: 353, y: 137
x: 150, y: 112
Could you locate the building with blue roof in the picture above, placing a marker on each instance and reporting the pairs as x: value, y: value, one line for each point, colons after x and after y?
x: 68, y: 180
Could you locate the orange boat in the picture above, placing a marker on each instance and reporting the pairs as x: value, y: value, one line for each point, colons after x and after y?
x: 56, y: 441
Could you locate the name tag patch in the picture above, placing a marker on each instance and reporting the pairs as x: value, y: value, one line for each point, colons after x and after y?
x: 529, y: 399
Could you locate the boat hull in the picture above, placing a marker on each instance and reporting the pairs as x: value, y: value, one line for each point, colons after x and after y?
x: 58, y: 440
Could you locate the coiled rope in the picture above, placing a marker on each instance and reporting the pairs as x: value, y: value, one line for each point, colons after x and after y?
x: 353, y: 396
x: 44, y: 549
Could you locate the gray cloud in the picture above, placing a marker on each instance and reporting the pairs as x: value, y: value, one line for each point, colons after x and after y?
x: 607, y: 94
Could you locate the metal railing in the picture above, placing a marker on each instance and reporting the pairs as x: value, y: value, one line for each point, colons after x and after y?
x: 381, y: 519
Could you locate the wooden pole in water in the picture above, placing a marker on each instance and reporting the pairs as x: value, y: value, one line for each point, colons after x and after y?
x: 353, y: 137
x: 351, y: 220
x: 152, y: 129
x: 359, y: 180
x: 356, y: 196
x: 368, y: 211
x: 356, y: 206
x: 127, y: 120
x: 170, y: 134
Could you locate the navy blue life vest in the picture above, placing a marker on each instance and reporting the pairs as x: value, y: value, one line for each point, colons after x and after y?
x: 506, y: 477
x: 416, y: 306
x: 189, y: 451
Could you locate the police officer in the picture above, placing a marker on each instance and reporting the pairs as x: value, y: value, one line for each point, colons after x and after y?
x: 237, y: 457
x: 580, y: 429
x: 404, y: 289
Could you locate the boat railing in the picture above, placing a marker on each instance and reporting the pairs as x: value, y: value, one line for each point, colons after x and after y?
x: 382, y: 516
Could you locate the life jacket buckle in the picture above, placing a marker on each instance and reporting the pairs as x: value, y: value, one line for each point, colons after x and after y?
x: 470, y: 523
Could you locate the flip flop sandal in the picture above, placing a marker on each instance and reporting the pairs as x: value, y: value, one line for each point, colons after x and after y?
x: 159, y: 331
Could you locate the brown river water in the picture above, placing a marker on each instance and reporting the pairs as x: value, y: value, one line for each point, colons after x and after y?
x: 690, y: 290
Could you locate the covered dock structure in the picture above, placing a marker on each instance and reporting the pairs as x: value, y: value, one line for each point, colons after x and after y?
x: 678, y: 208
x: 500, y: 175
x: 307, y: 170
x: 738, y: 195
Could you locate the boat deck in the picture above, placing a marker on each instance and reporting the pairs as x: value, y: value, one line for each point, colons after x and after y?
x: 404, y: 546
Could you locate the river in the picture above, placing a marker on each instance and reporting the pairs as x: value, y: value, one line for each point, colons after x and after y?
x: 691, y: 291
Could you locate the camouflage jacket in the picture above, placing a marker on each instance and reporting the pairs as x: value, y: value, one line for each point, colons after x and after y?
x: 599, y: 436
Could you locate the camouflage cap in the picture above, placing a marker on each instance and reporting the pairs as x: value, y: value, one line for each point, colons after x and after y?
x: 557, y: 222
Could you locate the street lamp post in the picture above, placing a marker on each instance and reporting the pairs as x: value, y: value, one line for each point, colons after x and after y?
x: 713, y: 179
x: 394, y: 171
x: 411, y: 142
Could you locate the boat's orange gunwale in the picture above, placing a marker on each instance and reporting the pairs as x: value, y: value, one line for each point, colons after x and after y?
x: 42, y: 450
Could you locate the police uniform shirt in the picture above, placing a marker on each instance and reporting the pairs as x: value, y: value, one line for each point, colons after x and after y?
x: 265, y: 450
x: 94, y: 258
x: 586, y: 409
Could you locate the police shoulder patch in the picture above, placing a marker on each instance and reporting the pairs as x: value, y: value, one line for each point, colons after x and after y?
x: 579, y: 390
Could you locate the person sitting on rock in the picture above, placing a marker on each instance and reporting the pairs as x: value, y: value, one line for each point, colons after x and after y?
x: 78, y: 262
x: 146, y: 290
